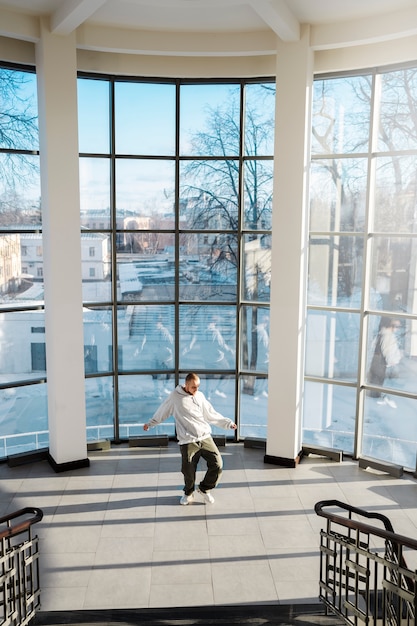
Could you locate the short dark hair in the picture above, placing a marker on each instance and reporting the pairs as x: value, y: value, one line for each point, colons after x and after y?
x: 191, y: 376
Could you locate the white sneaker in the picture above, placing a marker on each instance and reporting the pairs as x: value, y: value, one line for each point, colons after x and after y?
x: 220, y: 393
x: 208, y: 498
x: 390, y: 402
x: 187, y: 499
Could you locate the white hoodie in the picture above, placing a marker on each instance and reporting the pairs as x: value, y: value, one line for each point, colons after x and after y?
x: 193, y: 415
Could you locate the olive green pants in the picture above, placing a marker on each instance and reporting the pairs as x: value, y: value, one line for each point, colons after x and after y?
x: 191, y: 453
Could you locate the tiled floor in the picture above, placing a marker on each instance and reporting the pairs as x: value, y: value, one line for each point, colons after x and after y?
x: 114, y: 535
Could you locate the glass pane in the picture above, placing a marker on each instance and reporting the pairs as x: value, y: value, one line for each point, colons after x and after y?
x: 258, y: 178
x: 146, y: 277
x: 139, y: 397
x: 253, y: 406
x: 390, y: 434
x: 341, y: 115
x: 254, y: 347
x: 391, y: 356
x: 259, y: 119
x: 207, y: 337
x: 338, y: 195
x: 146, y: 337
x: 19, y: 110
x: 145, y: 194
x: 145, y: 118
x: 99, y: 408
x: 20, y: 192
x: 21, y: 269
x: 335, y: 271
x: 209, y: 120
x: 396, y: 194
x: 208, y: 266
x: 209, y: 195
x: 257, y: 267
x: 95, y: 193
x: 398, y: 103
x: 332, y: 345
x: 98, y: 340
x: 96, y: 267
x: 23, y: 419
x: 220, y: 392
x: 93, y: 115
x: 329, y: 416
x: 22, y: 346
x: 393, y: 270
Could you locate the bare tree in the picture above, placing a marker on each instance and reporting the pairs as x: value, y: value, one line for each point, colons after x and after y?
x: 19, y: 163
x: 223, y: 192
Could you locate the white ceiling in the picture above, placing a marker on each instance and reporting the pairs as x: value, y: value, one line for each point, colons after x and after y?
x: 281, y: 16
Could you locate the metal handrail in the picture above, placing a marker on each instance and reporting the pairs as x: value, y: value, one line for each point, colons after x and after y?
x: 23, y: 526
x: 19, y: 567
x: 388, y: 533
x: 360, y: 583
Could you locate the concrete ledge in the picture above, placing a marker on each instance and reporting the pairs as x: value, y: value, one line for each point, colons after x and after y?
x: 389, y: 468
x: 69, y: 465
x: 28, y: 457
x: 254, y: 442
x: 101, y: 444
x: 332, y: 453
x: 148, y: 441
x: 281, y: 460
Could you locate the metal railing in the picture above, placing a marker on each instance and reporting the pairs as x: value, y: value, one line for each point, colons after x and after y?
x: 19, y: 567
x: 364, y: 577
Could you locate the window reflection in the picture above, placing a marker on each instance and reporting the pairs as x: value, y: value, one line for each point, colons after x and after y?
x: 207, y: 337
x: 145, y: 194
x: 393, y: 267
x: 257, y: 267
x: 329, y: 416
x: 144, y: 118
x: 208, y: 266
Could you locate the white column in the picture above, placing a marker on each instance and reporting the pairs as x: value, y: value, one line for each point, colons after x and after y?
x: 57, y: 95
x: 289, y: 249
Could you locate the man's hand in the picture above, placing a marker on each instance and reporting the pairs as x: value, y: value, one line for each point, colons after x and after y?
x: 146, y: 427
x: 233, y: 426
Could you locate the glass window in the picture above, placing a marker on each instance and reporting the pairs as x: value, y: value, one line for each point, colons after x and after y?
x: 259, y: 119
x: 146, y: 337
x: 209, y: 120
x: 23, y: 419
x: 332, y: 344
x: 392, y: 268
x: 145, y: 194
x: 139, y: 397
x: 398, y: 102
x: 335, y: 271
x: 95, y: 193
x: 338, y: 192
x: 209, y: 195
x: 395, y: 194
x: 144, y: 118
x: 208, y: 266
x: 257, y: 194
x: 253, y: 405
x: 341, y: 115
x: 387, y: 438
x: 254, y: 349
x: 257, y: 267
x: 207, y: 337
x: 170, y: 197
x: 93, y: 121
x: 362, y: 315
x: 99, y: 408
x: 329, y: 416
